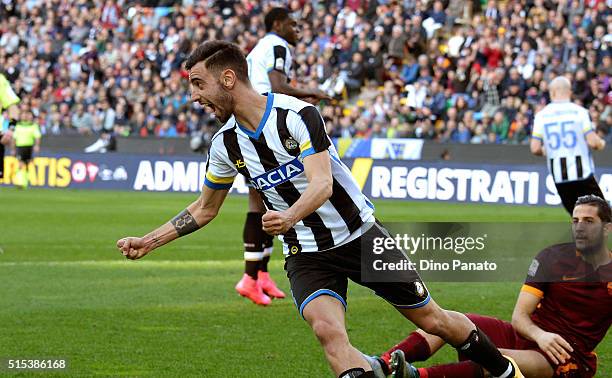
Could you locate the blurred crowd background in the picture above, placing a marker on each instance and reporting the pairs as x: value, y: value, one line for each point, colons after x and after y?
x: 450, y: 71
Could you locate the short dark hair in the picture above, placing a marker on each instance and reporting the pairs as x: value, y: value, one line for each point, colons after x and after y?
x: 218, y: 55
x: 275, y: 14
x: 603, y: 207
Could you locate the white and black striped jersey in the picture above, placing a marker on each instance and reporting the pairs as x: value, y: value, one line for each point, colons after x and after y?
x: 562, y: 127
x: 271, y: 159
x: 271, y: 53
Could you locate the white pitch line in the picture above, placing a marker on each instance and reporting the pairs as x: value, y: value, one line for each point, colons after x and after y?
x: 131, y: 264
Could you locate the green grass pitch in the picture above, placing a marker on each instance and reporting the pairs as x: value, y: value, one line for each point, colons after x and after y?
x: 65, y: 291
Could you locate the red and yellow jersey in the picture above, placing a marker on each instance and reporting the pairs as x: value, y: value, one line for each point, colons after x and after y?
x: 576, y: 300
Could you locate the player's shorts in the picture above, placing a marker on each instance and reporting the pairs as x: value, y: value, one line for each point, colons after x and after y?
x: 24, y: 154
x: 312, y: 274
x: 571, y: 190
x: 504, y: 336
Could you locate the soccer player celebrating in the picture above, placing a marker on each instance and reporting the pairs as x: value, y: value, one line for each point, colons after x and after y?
x: 269, y: 66
x: 563, y: 131
x: 314, y: 205
x: 563, y: 310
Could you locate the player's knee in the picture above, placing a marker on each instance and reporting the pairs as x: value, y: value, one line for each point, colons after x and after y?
x: 329, y: 333
x: 435, y: 324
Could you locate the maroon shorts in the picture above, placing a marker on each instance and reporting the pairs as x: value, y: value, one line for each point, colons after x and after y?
x: 503, y: 335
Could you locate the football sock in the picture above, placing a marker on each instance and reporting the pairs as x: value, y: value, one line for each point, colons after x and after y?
x: 415, y: 348
x: 459, y: 370
x: 356, y: 372
x: 479, y: 348
x: 265, y: 260
x: 268, y: 246
x: 253, y: 242
x: 251, y: 267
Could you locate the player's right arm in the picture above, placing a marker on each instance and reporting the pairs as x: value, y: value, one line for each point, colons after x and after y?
x: 594, y: 141
x: 537, y: 138
x: 194, y: 217
x: 8, y: 102
x: 8, y: 98
x: 220, y: 173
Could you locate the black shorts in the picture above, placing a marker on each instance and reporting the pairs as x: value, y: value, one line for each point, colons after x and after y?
x: 571, y: 190
x: 312, y: 274
x: 24, y: 154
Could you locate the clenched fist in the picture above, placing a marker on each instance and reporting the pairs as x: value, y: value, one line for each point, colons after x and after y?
x: 276, y: 222
x: 132, y: 248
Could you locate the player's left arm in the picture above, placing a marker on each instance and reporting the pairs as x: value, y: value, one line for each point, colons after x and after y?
x: 594, y: 141
x: 309, y: 132
x: 317, y: 168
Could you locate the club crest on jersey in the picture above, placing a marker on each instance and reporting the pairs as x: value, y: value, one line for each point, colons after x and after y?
x: 419, y: 288
x: 278, y: 175
x: 291, y: 144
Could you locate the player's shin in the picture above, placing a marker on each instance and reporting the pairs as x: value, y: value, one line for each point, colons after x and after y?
x: 268, y: 246
x: 267, y: 283
x: 479, y: 348
x: 252, y: 261
x: 252, y: 236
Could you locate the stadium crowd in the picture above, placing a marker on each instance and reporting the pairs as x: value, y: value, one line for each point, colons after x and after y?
x: 446, y: 70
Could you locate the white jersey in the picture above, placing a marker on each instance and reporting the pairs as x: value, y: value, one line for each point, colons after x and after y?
x: 271, y: 53
x: 271, y: 159
x: 562, y: 127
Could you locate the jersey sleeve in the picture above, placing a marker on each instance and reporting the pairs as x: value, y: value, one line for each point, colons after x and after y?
x: 308, y: 129
x: 7, y: 95
x: 538, y: 275
x: 277, y: 59
x: 586, y: 124
x: 538, y: 129
x: 220, y: 173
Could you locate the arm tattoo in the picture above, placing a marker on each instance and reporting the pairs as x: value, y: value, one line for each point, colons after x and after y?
x: 156, y: 241
x: 184, y: 223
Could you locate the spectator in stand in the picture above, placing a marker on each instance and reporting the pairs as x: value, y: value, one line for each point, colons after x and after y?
x: 75, y: 57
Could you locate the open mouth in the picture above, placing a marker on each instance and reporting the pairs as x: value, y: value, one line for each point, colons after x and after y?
x: 209, y: 105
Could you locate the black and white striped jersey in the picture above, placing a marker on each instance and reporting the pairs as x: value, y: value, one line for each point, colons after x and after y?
x: 271, y: 53
x: 271, y: 159
x: 562, y: 127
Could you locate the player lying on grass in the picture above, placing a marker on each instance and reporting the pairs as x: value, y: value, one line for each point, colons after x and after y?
x: 314, y: 205
x: 563, y: 310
